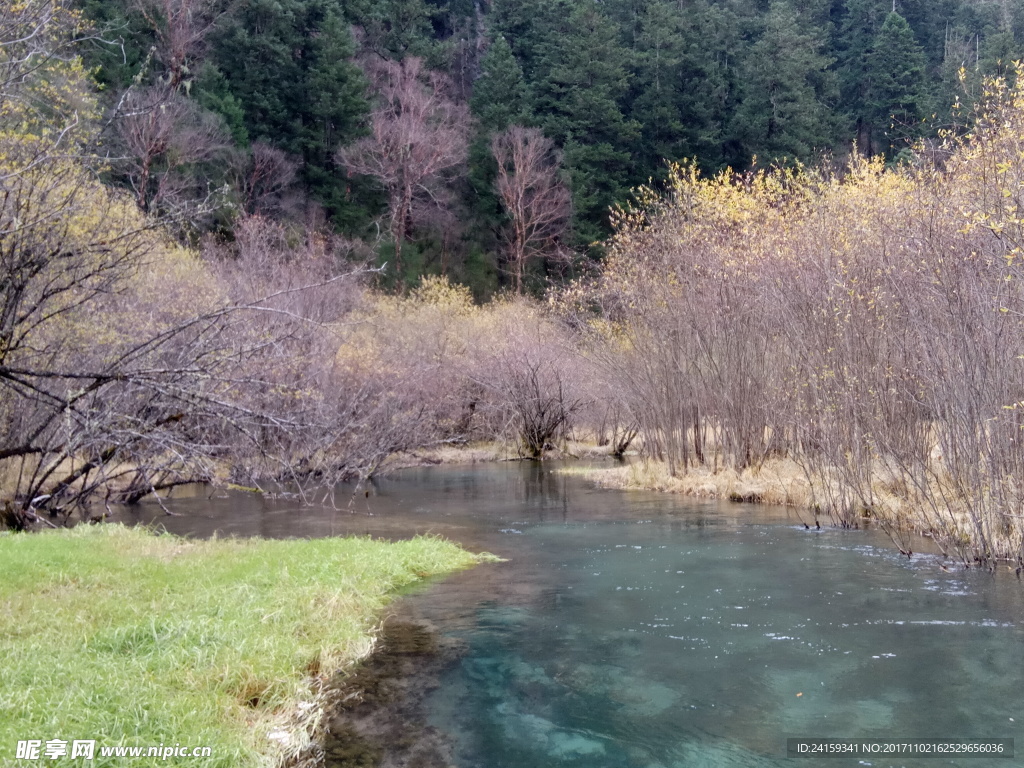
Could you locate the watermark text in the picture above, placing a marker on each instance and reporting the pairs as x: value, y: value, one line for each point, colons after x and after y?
x: 87, y: 749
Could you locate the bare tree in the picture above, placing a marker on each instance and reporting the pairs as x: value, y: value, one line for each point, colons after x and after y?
x: 180, y: 27
x: 417, y: 134
x: 535, y: 198
x: 266, y: 177
x: 165, y: 135
x: 128, y: 366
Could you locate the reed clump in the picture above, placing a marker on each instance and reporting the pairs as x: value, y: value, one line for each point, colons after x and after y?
x: 780, y: 482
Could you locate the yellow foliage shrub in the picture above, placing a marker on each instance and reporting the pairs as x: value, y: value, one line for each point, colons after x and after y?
x: 868, y: 324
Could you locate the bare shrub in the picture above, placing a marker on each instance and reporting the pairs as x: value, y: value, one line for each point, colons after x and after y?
x: 528, y: 371
x: 503, y: 371
x: 265, y: 180
x: 868, y: 326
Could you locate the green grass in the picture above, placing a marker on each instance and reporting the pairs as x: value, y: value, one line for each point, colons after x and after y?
x: 127, y: 637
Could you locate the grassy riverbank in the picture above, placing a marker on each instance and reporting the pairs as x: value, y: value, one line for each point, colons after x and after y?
x: 776, y: 482
x: 481, y: 452
x: 895, y: 506
x: 130, y: 638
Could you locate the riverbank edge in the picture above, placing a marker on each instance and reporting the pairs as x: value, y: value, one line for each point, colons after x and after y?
x: 483, y: 452
x: 225, y: 643
x: 779, y: 482
x: 782, y: 482
x: 448, y: 453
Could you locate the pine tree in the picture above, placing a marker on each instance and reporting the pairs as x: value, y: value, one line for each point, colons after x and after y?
x: 213, y: 93
x: 255, y: 52
x: 579, y: 105
x: 499, y: 95
x: 860, y: 24
x: 335, y: 104
x: 786, y: 110
x: 118, y: 64
x: 532, y: 28
x: 500, y: 99
x: 395, y: 29
x: 287, y: 62
x: 997, y: 53
x: 896, y: 100
x: 684, y: 86
x: 659, y: 88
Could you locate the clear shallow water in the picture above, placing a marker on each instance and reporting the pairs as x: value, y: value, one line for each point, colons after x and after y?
x: 646, y: 630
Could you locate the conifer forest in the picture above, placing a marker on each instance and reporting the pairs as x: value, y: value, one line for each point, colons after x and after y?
x: 294, y: 108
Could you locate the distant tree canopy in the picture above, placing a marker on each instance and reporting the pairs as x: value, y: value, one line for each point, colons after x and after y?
x: 619, y: 86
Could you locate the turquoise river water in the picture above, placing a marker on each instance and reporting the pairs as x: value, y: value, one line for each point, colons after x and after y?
x: 638, y: 630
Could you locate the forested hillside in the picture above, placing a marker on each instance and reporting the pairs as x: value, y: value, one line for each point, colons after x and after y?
x: 382, y: 119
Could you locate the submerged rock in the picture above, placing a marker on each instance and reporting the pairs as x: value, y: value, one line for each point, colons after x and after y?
x: 544, y: 736
x: 565, y: 745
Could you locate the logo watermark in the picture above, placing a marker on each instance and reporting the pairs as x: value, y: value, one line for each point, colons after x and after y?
x: 87, y: 749
x: 941, y: 748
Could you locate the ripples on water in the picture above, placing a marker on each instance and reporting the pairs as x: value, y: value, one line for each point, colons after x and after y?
x: 651, y: 631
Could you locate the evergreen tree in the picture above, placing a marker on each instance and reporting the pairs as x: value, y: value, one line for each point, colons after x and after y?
x: 684, y: 84
x: 579, y: 106
x: 860, y: 24
x: 213, y: 93
x: 657, y: 106
x: 896, y: 100
x: 255, y: 51
x: 996, y: 52
x: 288, y: 63
x: 499, y: 96
x: 121, y: 50
x: 529, y: 27
x: 787, y: 90
x: 619, y: 85
x: 931, y: 21
x: 395, y: 29
x: 335, y: 103
x: 629, y: 15
x: 817, y: 13
x: 500, y: 99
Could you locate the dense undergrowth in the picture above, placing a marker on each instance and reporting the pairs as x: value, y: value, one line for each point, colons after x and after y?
x: 868, y: 326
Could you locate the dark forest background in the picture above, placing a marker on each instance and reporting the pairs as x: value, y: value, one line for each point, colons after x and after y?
x: 218, y: 109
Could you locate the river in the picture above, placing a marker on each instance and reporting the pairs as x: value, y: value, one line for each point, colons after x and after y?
x: 632, y: 629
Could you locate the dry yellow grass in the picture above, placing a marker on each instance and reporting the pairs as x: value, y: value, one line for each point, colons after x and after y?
x: 890, y: 501
x: 494, y: 450
x: 469, y: 453
x: 586, y: 449
x: 778, y: 481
